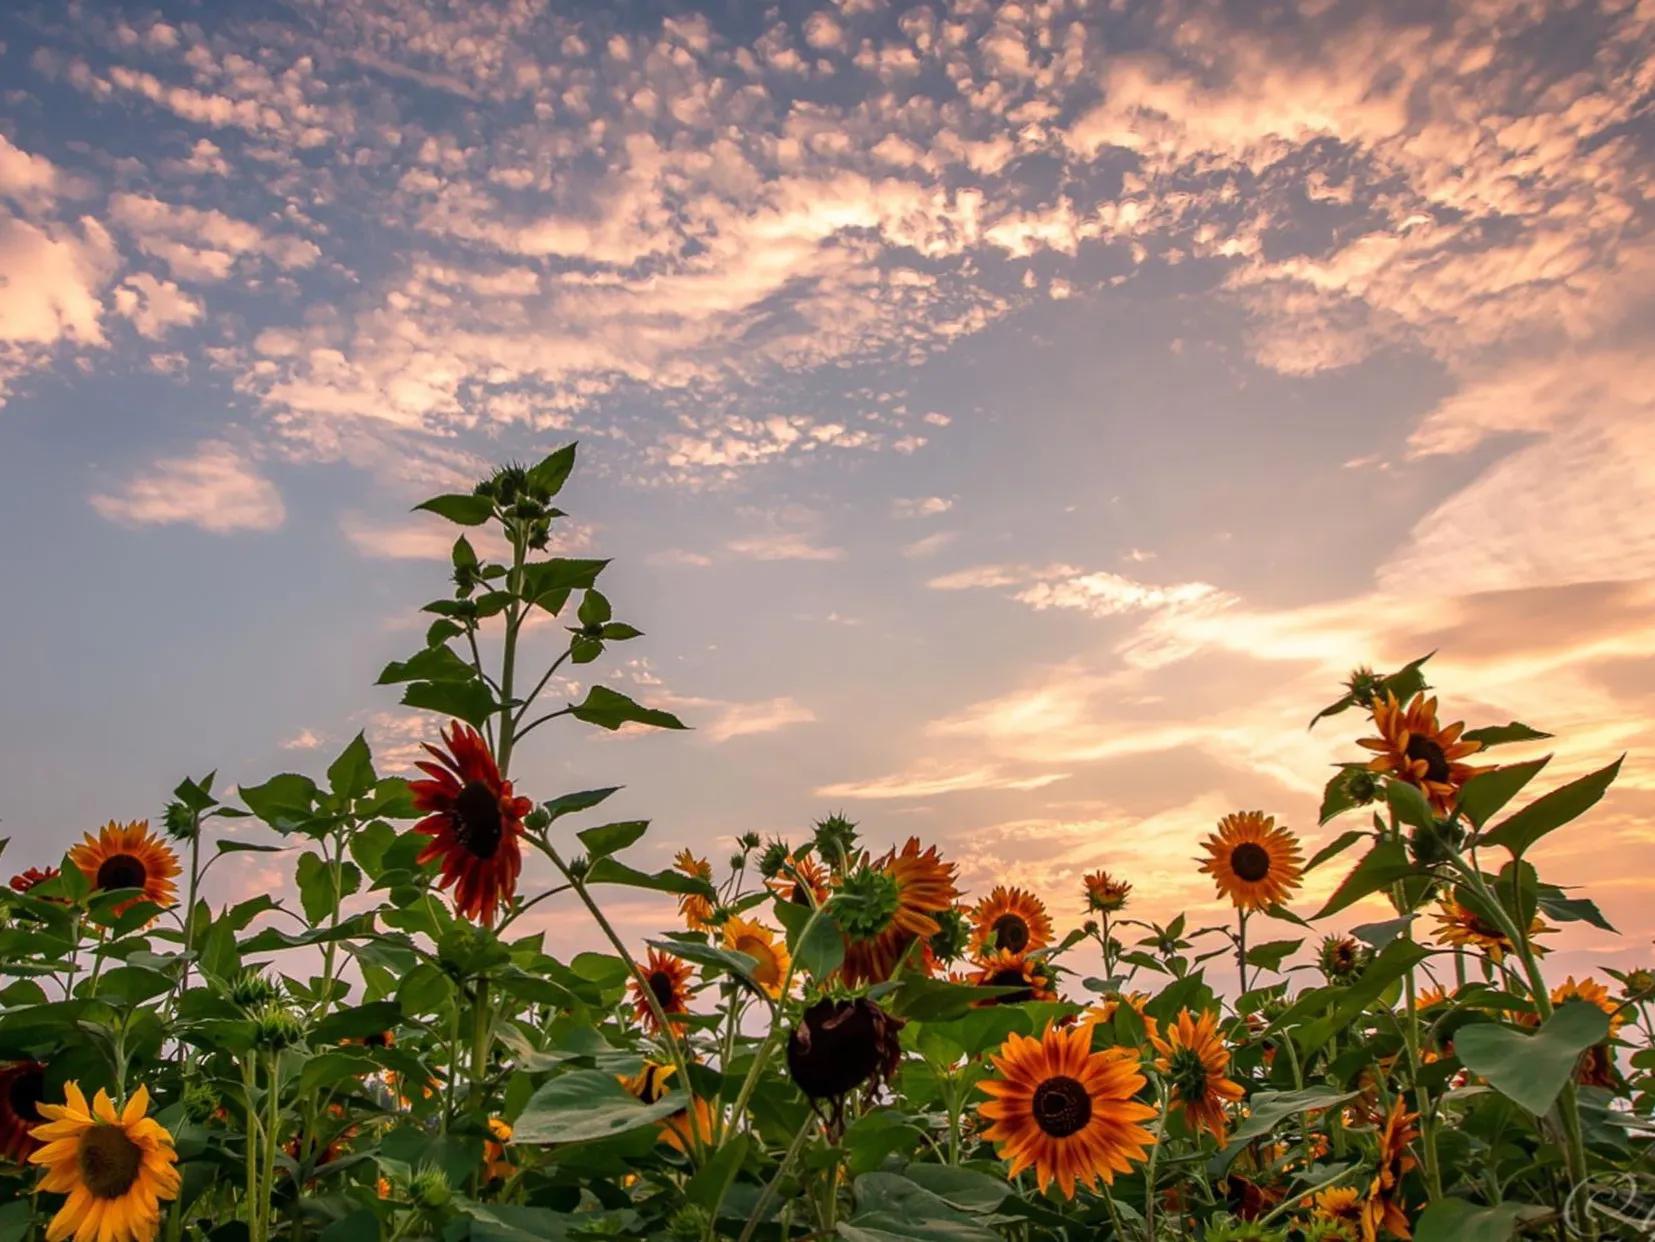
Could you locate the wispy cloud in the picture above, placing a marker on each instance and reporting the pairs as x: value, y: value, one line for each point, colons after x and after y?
x: 216, y: 488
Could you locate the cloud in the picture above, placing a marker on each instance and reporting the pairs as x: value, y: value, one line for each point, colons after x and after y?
x: 1098, y: 593
x: 154, y: 305
x: 921, y: 506
x: 53, y: 277
x: 678, y: 558
x: 304, y: 739
x: 215, y: 488
x: 783, y: 546
x: 930, y: 780
x: 929, y: 545
x: 745, y: 719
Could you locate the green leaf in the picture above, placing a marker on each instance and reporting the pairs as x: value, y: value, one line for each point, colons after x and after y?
x: 466, y: 510
x: 316, y: 891
x: 470, y: 701
x: 1566, y: 909
x: 551, y: 580
x: 438, y: 663
x: 818, y: 947
x: 1409, y: 804
x: 1404, y: 683
x: 707, y: 1187
x: 1335, y: 847
x: 357, y: 1022
x: 610, y: 710
x: 1378, y: 935
x: 351, y: 775
x: 1268, y: 1109
x: 738, y: 965
x: 619, y: 632
x: 595, y: 609
x: 613, y: 871
x: 553, y: 471
x: 1502, y: 735
x: 584, y: 649
x: 193, y: 794
x: 1532, y: 1068
x: 1271, y: 954
x: 569, y: 803
x: 1486, y: 794
x: 1455, y: 1220
x: 1382, y: 866
x: 588, y: 1104
x: 1551, y: 811
x: 283, y: 801
x: 463, y: 554
x: 609, y: 839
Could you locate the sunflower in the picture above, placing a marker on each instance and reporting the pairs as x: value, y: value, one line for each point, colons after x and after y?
x: 1010, y: 918
x: 696, y: 909
x: 1104, y: 893
x: 1383, y: 1207
x: 1254, y: 863
x: 1106, y: 1009
x: 115, y: 1167
x: 1341, y: 957
x: 1462, y: 927
x: 759, y: 943
x: 474, y: 821
x: 128, y: 856
x: 1337, y: 1203
x: 1065, y: 1110
x: 649, y: 1084
x: 1005, y: 969
x: 1413, y: 747
x: 668, y: 980
x: 1431, y: 997
x: 840, y: 1044
x: 1193, y: 1059
x: 22, y: 1087
x: 804, y: 884
x: 26, y: 880
x: 496, y: 1168
x: 1596, y: 1067
x: 884, y: 906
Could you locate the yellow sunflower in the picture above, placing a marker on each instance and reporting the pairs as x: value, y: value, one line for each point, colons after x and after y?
x: 128, y: 856
x: 1464, y: 928
x: 496, y: 1167
x: 1064, y: 1110
x: 1596, y: 1067
x: 1338, y: 1203
x: 1104, y: 893
x: 1106, y: 1009
x: 883, y: 907
x: 1413, y: 747
x: 115, y: 1167
x: 1194, y: 1061
x: 696, y: 909
x: 668, y: 979
x: 1253, y: 862
x: 1005, y: 969
x: 1383, y: 1209
x: 1010, y: 918
x: 649, y: 1084
x: 759, y: 943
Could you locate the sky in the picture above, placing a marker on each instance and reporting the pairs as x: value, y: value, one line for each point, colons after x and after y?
x: 1010, y: 422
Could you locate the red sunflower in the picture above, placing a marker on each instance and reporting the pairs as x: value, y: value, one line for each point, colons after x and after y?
x: 474, y: 823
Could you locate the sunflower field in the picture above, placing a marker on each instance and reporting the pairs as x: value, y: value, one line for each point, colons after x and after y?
x: 830, y: 1039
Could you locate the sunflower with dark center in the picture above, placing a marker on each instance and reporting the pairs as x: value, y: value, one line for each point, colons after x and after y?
x: 475, y: 823
x: 884, y: 907
x: 1104, y: 893
x: 1383, y: 1209
x: 681, y: 1129
x: 1342, y: 957
x: 1337, y: 1203
x: 771, y: 961
x: 1413, y: 747
x: 802, y: 880
x: 1010, y: 918
x: 1252, y: 861
x: 1066, y: 1111
x: 840, y: 1045
x: 1461, y: 927
x: 22, y: 1088
x: 115, y: 1167
x: 1005, y: 969
x: 1192, y: 1058
x: 124, y: 856
x: 668, y: 979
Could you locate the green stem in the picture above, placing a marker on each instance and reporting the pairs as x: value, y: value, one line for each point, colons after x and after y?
x: 763, y: 1205
x: 254, y: 1140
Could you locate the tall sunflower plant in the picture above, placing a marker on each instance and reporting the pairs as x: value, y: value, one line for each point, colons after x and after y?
x: 828, y: 1036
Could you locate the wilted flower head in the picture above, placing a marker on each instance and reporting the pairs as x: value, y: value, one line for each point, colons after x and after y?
x: 839, y: 1045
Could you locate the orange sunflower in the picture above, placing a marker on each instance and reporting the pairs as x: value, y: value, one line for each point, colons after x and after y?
x: 474, y: 821
x: 1343, y: 1203
x: 668, y: 980
x: 496, y: 1167
x: 1005, y: 969
x: 1010, y: 918
x: 649, y: 1084
x: 1464, y: 928
x: 1104, y: 893
x: 759, y: 943
x: 809, y: 888
x: 696, y: 909
x: 1065, y: 1110
x: 885, y: 906
x: 1253, y: 862
x: 1413, y: 747
x: 1383, y: 1209
x: 128, y: 856
x: 1106, y: 1009
x: 22, y: 1088
x: 1596, y: 1067
x: 115, y: 1167
x: 1193, y: 1059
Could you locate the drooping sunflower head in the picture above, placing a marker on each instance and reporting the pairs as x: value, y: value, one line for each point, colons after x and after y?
x: 1638, y: 981
x: 22, y: 1088
x: 124, y: 856
x: 1104, y: 893
x: 801, y: 879
x: 475, y: 822
x: 1010, y: 918
x: 953, y: 935
x: 1005, y: 969
x: 1460, y: 926
x: 835, y: 839
x: 884, y: 907
x: 1413, y: 747
x: 1383, y: 1208
x: 695, y: 908
x: 839, y: 1045
x: 1194, y: 1061
x: 667, y: 979
x: 116, y: 1167
x: 1342, y: 957
x: 1252, y: 861
x: 1066, y: 1111
x: 770, y: 956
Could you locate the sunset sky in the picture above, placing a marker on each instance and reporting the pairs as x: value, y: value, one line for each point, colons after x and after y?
x: 1010, y: 422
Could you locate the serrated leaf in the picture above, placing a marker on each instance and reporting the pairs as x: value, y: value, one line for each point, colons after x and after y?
x: 1503, y: 735
x: 461, y: 508
x: 1382, y: 866
x: 1485, y: 795
x: 351, y: 775
x: 609, y: 839
x: 1551, y: 811
x: 470, y: 701
x: 431, y: 664
x: 609, y: 709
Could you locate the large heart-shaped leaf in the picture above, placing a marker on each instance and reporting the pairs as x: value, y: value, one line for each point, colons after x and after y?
x: 1455, y: 1220
x: 587, y: 1104
x: 1532, y: 1068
